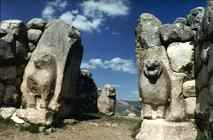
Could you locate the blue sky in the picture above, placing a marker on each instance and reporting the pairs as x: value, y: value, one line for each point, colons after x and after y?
x: 107, y: 31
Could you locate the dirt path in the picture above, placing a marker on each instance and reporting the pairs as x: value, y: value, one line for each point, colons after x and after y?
x: 99, y: 129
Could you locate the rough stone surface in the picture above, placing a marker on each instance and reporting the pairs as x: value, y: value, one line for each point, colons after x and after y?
x: 189, y: 89
x: 164, y: 68
x: 167, y: 99
x: 176, y: 32
x: 190, y: 107
x: 52, y: 84
x: 36, y: 23
x: 16, y: 119
x: 31, y: 46
x: 11, y: 96
x: 154, y: 85
x: 207, y: 23
x: 13, y: 50
x: 34, y: 116
x: 88, y: 93
x: 34, y: 35
x: 181, y: 56
x: 163, y: 130
x: 50, y: 77
x: 147, y: 31
x: 107, y: 100
x: 8, y: 74
x: 11, y: 25
x: 195, y: 17
x: 6, y: 113
x: 204, y: 71
x: 2, y: 32
x: 6, y: 51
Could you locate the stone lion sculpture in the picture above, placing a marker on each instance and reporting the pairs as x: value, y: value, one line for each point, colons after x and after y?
x: 40, y: 81
x: 154, y: 85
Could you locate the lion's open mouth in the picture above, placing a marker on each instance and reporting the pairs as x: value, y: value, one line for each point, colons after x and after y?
x: 152, y: 70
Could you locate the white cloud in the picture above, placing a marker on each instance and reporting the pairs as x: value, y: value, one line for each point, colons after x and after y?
x: 67, y: 16
x: 48, y: 12
x: 115, y: 64
x: 83, y: 23
x: 109, y: 7
x: 52, y: 7
x: 80, y: 21
x: 90, y: 16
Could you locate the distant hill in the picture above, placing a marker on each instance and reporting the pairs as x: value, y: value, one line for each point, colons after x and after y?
x: 124, y: 107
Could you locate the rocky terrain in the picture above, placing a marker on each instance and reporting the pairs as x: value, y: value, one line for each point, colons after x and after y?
x: 101, y: 129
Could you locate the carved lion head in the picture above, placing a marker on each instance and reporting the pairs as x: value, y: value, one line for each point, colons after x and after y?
x: 152, y: 69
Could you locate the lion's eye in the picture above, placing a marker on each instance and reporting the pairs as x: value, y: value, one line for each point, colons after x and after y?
x: 148, y: 61
x: 156, y: 62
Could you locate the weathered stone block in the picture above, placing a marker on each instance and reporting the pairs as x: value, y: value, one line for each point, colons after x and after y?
x: 6, y: 52
x: 7, y: 112
x: 107, y: 100
x: 8, y: 74
x: 176, y: 32
x: 148, y: 31
x: 190, y: 107
x: 195, y: 17
x: 51, y: 75
x: 34, y: 35
x: 11, y: 96
x: 189, y: 89
x: 181, y: 56
x: 36, y: 23
x: 34, y: 116
x: 163, y: 130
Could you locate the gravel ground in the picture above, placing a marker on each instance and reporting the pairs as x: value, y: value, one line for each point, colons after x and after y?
x: 97, y: 129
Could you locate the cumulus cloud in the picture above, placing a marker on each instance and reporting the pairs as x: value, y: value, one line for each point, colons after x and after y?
x: 109, y: 7
x: 90, y: 16
x: 115, y: 64
x: 80, y: 21
x: 52, y: 7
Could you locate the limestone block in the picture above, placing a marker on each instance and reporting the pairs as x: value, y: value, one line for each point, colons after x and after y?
x: 189, y: 88
x: 163, y: 130
x: 181, y: 56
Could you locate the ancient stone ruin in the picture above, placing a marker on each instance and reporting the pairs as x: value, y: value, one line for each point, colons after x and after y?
x: 88, y: 93
x: 166, y: 62
x: 204, y: 69
x: 107, y: 100
x: 41, y: 81
x: 40, y: 70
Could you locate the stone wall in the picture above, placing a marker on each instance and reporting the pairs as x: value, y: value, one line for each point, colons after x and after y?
x: 165, y: 56
x: 39, y: 70
x: 17, y: 41
x: 88, y: 93
x: 204, y: 69
x: 13, y: 58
